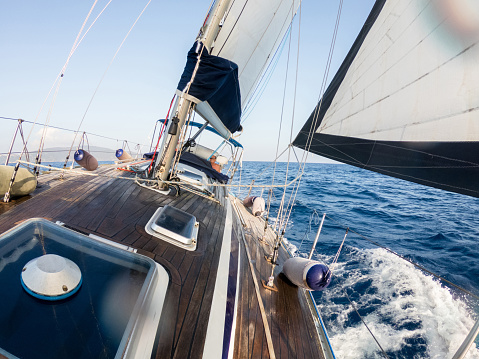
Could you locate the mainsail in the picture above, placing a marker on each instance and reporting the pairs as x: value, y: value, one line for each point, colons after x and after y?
x: 405, y: 100
x: 250, y: 33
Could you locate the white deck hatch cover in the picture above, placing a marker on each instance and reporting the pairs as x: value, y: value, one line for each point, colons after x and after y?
x: 115, y: 312
x: 174, y: 226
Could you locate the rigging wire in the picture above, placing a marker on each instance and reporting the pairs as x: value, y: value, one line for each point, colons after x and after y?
x: 233, y: 27
x: 418, y: 266
x: 323, y: 86
x: 247, y: 95
x: 161, y: 133
x: 60, y: 76
x: 314, y: 216
x: 6, y: 197
x: 60, y: 79
x: 182, y: 138
x: 279, y: 129
x: 104, y: 74
x: 154, y: 133
x: 264, y: 80
x: 283, y: 215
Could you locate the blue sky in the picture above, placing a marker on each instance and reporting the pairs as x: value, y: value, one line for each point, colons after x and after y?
x: 36, y: 37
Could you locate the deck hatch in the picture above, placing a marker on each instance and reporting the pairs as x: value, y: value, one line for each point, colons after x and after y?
x: 175, y: 226
x: 107, y: 317
x: 191, y: 176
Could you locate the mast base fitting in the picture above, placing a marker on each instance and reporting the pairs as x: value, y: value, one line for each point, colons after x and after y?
x: 262, y: 240
x: 274, y: 288
x: 269, y: 259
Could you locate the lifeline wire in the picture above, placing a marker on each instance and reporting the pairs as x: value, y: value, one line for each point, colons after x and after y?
x: 70, y: 130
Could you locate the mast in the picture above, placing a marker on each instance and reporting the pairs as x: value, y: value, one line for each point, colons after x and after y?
x: 207, y: 35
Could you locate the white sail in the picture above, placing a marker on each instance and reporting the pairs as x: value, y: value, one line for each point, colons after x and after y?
x: 415, y: 77
x: 405, y: 100
x: 251, y: 32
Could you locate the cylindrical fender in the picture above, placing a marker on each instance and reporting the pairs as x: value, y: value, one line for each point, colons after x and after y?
x: 306, y: 273
x: 86, y: 160
x: 122, y: 155
x: 257, y: 204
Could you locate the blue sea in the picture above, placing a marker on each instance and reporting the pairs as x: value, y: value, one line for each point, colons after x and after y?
x: 411, y: 313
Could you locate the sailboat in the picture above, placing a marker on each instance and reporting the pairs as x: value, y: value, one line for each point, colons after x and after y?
x: 160, y: 260
x: 166, y: 262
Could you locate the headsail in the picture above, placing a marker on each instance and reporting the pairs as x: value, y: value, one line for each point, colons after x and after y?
x: 405, y: 100
x: 250, y: 33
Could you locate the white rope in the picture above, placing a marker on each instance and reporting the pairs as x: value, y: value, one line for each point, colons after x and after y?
x: 333, y: 265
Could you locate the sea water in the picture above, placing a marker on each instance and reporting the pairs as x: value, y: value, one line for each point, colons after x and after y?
x: 411, y: 313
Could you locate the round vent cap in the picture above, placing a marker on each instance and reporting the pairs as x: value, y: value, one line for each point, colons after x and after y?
x: 51, y: 277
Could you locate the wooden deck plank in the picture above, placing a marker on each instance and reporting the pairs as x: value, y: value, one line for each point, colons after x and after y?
x: 120, y: 187
x: 202, y: 323
x: 131, y: 191
x: 164, y: 340
x: 73, y: 214
x: 241, y: 334
x: 118, y: 210
x: 192, y: 309
x: 285, y: 309
x: 94, y: 205
x: 193, y: 265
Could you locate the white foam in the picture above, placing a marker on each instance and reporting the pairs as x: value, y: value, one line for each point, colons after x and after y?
x: 290, y: 246
x: 407, y: 305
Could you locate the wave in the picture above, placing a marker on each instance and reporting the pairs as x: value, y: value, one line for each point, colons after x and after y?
x: 411, y: 314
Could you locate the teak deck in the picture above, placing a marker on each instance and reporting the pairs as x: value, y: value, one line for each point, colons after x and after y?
x: 118, y: 209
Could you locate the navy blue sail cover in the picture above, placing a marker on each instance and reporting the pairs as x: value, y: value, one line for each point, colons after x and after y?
x: 204, y: 166
x: 216, y: 81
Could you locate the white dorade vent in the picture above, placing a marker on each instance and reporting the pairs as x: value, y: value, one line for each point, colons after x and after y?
x: 174, y: 226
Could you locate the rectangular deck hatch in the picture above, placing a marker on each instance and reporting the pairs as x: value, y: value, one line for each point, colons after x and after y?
x: 174, y: 226
x: 110, y: 316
